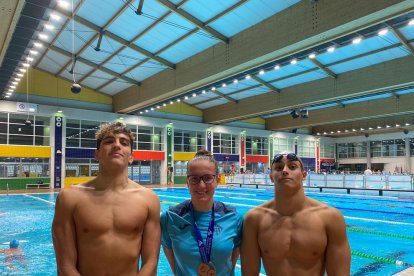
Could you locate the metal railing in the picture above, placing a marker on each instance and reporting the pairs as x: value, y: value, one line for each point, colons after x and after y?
x: 356, y: 181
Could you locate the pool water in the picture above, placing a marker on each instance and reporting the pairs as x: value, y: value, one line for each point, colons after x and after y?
x: 380, y: 229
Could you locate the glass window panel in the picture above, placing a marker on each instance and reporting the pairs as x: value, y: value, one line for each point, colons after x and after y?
x: 3, y: 128
x: 20, y: 140
x: 42, y: 141
x: 4, y: 117
x: 88, y: 143
x: 3, y: 139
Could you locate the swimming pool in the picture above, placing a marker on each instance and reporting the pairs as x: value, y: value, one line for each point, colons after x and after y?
x: 380, y: 229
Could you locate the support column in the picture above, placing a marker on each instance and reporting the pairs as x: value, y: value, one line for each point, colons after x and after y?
x: 368, y: 155
x: 407, y: 155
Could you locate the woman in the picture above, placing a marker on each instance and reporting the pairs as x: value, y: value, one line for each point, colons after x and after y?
x: 201, y: 236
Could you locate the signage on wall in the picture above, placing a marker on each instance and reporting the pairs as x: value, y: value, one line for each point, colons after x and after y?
x: 26, y: 107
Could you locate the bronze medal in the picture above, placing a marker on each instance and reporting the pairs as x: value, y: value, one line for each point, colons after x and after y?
x: 202, y: 270
x: 211, y: 269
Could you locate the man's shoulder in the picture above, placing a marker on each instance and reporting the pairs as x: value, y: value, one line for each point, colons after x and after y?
x: 261, y: 210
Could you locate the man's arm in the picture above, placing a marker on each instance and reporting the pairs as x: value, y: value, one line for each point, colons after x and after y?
x: 150, y: 249
x: 338, y: 252
x: 169, y: 253
x: 250, y: 251
x: 64, y: 234
x: 235, y: 255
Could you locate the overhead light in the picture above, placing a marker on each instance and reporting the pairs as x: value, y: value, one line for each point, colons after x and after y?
x: 248, y: 77
x: 14, y: 82
x: 204, y: 91
x: 11, y: 90
x: 407, y: 124
x: 9, y: 93
x: 178, y: 100
x: 383, y: 31
x: 171, y: 102
x: 38, y: 45
x: 152, y: 108
x: 55, y: 17
x: 146, y: 110
x: 312, y: 56
x: 26, y: 65
x: 213, y: 88
x: 12, y: 86
x: 277, y: 67
x: 141, y: 112
x: 22, y: 70
x: 261, y: 72
x: 19, y: 75
x: 353, y: 129
x: 397, y: 125
x: 43, y: 36
x: 49, y: 27
x: 379, y: 127
x: 164, y: 104
x: 346, y: 130
x: 29, y: 59
x: 294, y: 61
x: 235, y: 81
x: 223, y: 85
x: 356, y: 40
x: 33, y: 52
x: 411, y: 22
x: 63, y: 4
x: 331, y: 49
x: 387, y: 126
x: 194, y: 95
x: 186, y: 98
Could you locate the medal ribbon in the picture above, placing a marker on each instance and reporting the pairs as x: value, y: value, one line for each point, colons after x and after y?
x: 205, y: 250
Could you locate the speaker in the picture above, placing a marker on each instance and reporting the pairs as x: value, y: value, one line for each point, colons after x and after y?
x: 294, y: 113
x: 75, y: 88
x: 366, y: 135
x: 405, y: 131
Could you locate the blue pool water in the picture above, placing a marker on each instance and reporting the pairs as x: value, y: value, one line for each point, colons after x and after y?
x: 380, y: 229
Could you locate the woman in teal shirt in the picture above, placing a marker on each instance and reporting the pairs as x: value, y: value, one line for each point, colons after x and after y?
x: 201, y: 236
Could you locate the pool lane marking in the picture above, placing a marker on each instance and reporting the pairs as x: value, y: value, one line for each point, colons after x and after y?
x: 348, y: 217
x: 379, y: 259
x: 41, y: 199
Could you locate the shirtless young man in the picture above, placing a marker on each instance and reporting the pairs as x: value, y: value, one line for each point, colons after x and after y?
x: 104, y: 226
x: 292, y: 233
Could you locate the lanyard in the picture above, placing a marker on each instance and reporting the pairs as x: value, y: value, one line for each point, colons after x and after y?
x: 205, y: 250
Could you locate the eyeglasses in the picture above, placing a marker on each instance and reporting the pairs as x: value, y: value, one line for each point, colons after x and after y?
x: 195, y: 179
x: 290, y: 156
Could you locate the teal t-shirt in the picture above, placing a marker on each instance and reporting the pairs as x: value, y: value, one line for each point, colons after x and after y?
x: 178, y: 235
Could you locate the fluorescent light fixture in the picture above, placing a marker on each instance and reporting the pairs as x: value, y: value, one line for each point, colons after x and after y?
x: 63, y: 4
x: 22, y: 70
x: 26, y: 65
x: 152, y: 109
x: 33, y: 52
x: 43, y: 36
x: 178, y: 100
x: 171, y: 102
x: 19, y: 75
x: 383, y: 31
x: 12, y: 86
x: 14, y: 82
x: 146, y: 110
x: 49, y: 27
x: 164, y: 104
x: 141, y: 112
x: 356, y: 40
x: 55, y: 17
x: 17, y: 79
x: 29, y: 59
x: 38, y: 45
x: 158, y: 106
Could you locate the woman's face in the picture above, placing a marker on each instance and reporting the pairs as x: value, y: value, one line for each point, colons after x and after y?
x: 200, y: 172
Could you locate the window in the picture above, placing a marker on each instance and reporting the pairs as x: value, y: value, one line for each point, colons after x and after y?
x: 282, y: 145
x: 257, y: 145
x: 189, y: 141
x: 149, y: 138
x: 327, y: 150
x: 225, y: 143
x: 306, y: 148
x: 24, y: 167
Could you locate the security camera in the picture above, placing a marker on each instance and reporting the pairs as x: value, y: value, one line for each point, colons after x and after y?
x: 75, y: 88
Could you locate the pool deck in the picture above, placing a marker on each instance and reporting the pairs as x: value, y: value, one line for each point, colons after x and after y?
x: 407, y: 272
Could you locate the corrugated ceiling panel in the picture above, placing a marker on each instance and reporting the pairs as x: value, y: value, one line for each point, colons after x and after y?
x: 173, y: 27
x: 82, y: 34
x: 53, y: 62
x: 105, y: 8
x: 288, y: 70
x: 205, y: 10
x: 249, y: 14
x: 80, y: 70
x: 369, y: 60
x: 250, y: 93
x: 116, y: 87
x: 124, y: 60
x: 311, y: 76
x: 351, y: 50
x: 200, y: 98
x: 408, y: 31
x: 108, y: 47
x: 368, y: 98
x: 212, y: 103
x: 146, y: 70
x: 97, y: 79
x: 190, y: 46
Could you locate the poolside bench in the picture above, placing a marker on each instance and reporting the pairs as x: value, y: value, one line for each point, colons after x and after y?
x: 37, y: 186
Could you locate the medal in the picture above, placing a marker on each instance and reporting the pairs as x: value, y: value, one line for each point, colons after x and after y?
x: 202, y: 270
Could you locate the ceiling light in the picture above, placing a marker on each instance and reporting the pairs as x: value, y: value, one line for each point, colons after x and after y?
x: 7, y: 96
x: 146, y: 110
x: 325, y: 133
x: 33, y: 52
x: 407, y: 124
x: 29, y: 59
x: 26, y: 65
x: 186, y: 98
x: 223, y: 85
x: 312, y: 56
x: 17, y: 79
x: 38, y: 45
x: 171, y: 102
x: 294, y: 61
x: 54, y: 16
x: 277, y: 67
x: 152, y: 108
x: 370, y: 128
x: 204, y: 91
x: 12, y: 86
x: 261, y: 72
x: 332, y: 132
x: 178, y: 100
x: 383, y: 31
x: 353, y: 129
x: 22, y: 70
x: 158, y: 106
x: 194, y: 95
x: 11, y: 90
x: 346, y: 130
x: 235, y: 81
x: 19, y: 75
x: 397, y: 125
x: 14, y: 82
x: 141, y: 112
x: 164, y: 104
x: 338, y: 131
x: 63, y: 4
x: 356, y: 40
x: 9, y: 93
x: 213, y: 88
x: 331, y: 49
x: 379, y: 127
x: 43, y: 36
x: 247, y: 77
x: 362, y: 128
x: 411, y: 22
x: 318, y: 133
x: 387, y: 126
x: 49, y: 27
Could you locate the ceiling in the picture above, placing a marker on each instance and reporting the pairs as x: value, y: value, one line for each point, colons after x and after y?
x: 232, y: 60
